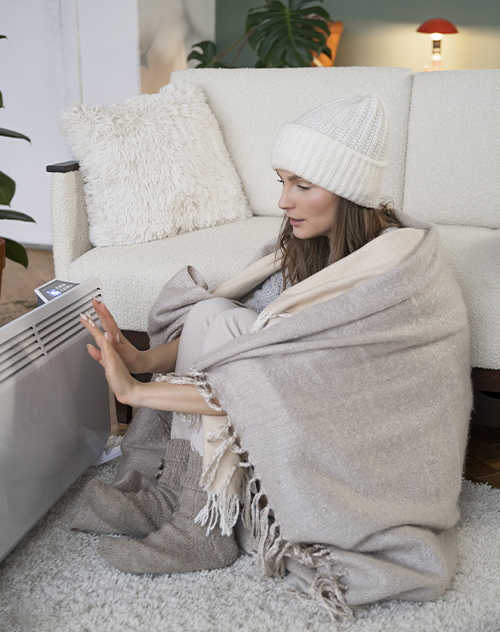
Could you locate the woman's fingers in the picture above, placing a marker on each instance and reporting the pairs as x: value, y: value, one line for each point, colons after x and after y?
x: 87, y: 321
x: 129, y: 355
x: 94, y: 353
x: 119, y: 379
x: 107, y: 320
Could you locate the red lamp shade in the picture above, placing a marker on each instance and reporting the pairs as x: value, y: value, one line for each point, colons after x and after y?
x: 437, y: 25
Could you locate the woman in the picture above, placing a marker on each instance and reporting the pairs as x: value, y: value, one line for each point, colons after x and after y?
x: 365, y: 287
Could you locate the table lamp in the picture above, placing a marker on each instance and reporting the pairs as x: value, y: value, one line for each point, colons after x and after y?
x: 437, y: 27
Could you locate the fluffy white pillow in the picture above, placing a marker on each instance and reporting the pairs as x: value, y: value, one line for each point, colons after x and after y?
x: 154, y: 166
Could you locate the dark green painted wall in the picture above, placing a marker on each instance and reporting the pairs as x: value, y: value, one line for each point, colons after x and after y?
x: 231, y: 14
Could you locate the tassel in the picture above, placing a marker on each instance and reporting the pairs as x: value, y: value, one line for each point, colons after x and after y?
x: 208, y: 513
x: 194, y: 378
x: 328, y: 592
x: 192, y: 419
x: 220, y: 508
x: 264, y: 317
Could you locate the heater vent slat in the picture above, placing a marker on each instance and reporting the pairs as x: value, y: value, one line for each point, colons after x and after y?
x: 64, y: 325
x: 20, y: 364
x: 48, y: 329
x: 29, y: 349
x: 59, y: 330
x: 22, y: 335
x: 14, y: 344
x: 78, y: 306
x: 18, y: 352
x: 63, y: 337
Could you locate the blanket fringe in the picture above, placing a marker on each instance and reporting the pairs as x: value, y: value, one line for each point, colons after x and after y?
x: 222, y: 508
x: 229, y: 442
x: 264, y: 317
x: 329, y: 593
x: 327, y: 590
x: 193, y: 420
x: 195, y: 378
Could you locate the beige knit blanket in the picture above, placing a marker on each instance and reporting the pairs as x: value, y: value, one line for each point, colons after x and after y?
x: 353, y: 413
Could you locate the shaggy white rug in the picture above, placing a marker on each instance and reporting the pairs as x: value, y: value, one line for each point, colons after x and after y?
x: 55, y: 581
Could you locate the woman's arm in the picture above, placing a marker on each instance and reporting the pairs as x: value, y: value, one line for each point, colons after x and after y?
x: 181, y: 398
x: 158, y: 395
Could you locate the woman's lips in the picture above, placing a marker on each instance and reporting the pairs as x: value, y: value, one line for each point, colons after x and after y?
x: 295, y: 222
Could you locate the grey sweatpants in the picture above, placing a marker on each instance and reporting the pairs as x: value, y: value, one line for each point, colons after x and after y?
x: 208, y: 325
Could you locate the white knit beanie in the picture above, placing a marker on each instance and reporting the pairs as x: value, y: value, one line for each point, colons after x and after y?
x: 339, y: 146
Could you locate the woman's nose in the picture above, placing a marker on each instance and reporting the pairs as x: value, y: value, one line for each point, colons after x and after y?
x: 285, y: 201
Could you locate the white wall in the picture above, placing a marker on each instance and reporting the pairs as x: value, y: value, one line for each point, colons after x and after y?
x: 57, y: 51
x: 168, y: 29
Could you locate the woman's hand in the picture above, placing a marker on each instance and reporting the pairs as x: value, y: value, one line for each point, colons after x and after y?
x: 119, y: 379
x: 131, y: 357
x: 114, y: 354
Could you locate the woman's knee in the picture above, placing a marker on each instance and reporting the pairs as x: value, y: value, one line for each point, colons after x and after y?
x: 228, y: 325
x: 195, y: 328
x: 206, y: 311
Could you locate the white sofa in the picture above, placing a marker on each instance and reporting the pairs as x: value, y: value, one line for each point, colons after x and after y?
x: 444, y: 159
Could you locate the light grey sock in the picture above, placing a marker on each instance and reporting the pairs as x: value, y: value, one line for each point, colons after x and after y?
x: 137, y: 512
x: 180, y: 545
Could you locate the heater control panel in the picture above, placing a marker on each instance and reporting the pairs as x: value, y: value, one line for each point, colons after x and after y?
x: 53, y: 289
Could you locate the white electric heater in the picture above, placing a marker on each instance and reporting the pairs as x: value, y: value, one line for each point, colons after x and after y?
x: 54, y: 409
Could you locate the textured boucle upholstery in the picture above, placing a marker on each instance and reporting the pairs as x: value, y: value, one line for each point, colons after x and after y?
x: 70, y: 227
x: 454, y: 148
x: 474, y: 256
x: 252, y: 104
x: 132, y: 276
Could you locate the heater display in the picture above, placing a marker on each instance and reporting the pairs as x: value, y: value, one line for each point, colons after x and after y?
x: 52, y: 290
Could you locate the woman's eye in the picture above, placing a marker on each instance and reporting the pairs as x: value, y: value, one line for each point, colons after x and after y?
x: 280, y: 180
x: 303, y: 187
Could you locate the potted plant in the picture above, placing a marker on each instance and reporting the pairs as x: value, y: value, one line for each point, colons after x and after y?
x: 283, y: 33
x: 9, y: 248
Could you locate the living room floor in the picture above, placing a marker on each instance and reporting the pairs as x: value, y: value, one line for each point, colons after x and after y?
x: 17, y: 297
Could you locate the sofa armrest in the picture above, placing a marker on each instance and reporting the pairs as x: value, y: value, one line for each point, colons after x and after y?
x: 63, y: 167
x: 70, y: 228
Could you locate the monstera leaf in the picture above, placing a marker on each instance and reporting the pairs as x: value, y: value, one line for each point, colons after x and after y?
x: 286, y: 35
x: 208, y: 55
x: 281, y: 35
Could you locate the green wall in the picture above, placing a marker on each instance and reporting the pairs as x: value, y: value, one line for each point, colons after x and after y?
x: 230, y: 17
x: 231, y: 14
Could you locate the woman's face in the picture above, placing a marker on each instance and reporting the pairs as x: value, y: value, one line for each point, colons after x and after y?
x: 309, y: 208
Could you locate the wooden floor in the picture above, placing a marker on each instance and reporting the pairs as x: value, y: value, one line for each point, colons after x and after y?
x: 483, y: 455
x: 482, y: 464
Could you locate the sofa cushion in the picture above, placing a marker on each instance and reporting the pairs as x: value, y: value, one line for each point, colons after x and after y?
x: 153, y: 167
x: 252, y: 104
x: 454, y: 148
x: 132, y: 276
x: 473, y: 254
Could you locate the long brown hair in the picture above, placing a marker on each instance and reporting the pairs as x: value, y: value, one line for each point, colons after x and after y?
x: 353, y: 227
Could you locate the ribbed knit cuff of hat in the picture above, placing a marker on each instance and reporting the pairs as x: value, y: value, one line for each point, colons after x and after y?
x: 328, y: 164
